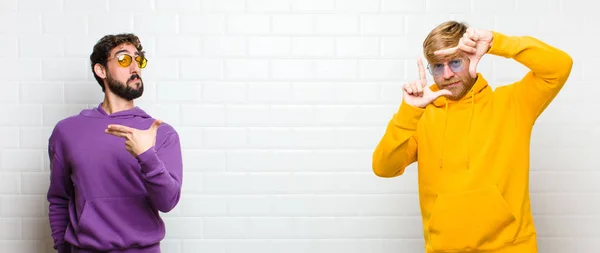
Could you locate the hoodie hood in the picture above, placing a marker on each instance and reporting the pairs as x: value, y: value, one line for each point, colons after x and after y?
x: 479, y: 88
x: 99, y: 112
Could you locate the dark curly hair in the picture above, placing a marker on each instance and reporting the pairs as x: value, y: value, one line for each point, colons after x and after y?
x: 106, y: 44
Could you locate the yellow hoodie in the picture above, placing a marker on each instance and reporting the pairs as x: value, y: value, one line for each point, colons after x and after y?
x: 473, y: 154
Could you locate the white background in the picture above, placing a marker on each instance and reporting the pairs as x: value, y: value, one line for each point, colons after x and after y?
x: 280, y: 104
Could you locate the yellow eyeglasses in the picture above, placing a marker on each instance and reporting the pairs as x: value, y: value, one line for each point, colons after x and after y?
x: 125, y: 60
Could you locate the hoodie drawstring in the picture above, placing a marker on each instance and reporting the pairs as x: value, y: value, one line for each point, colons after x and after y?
x: 444, y: 137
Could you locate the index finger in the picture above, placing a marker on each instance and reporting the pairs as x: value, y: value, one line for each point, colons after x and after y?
x: 120, y: 128
x: 422, y: 75
x: 446, y: 51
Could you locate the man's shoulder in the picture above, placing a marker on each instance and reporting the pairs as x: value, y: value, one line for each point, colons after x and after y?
x: 68, y: 122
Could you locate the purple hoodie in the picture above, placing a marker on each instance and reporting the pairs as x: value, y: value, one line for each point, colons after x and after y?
x: 101, y: 197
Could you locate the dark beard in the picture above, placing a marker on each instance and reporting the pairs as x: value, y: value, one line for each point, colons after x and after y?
x: 122, y: 90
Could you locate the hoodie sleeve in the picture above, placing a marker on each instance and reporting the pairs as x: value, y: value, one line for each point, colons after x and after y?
x: 59, y: 193
x: 398, y: 146
x: 549, y: 70
x: 162, y: 171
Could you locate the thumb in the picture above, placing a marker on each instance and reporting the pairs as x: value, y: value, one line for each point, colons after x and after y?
x: 473, y: 67
x: 442, y: 92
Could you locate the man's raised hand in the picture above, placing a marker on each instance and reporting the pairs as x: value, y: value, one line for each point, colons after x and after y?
x: 474, y: 43
x: 417, y: 94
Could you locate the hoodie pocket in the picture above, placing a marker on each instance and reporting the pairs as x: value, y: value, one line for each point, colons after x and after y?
x: 107, y: 223
x: 469, y: 220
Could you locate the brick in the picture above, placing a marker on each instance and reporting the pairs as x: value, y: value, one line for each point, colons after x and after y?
x: 35, y: 183
x: 30, y: 229
x: 312, y: 6
x: 439, y: 6
x: 91, y: 7
x: 10, y: 92
x: 269, y: 92
x: 336, y: 69
x: 224, y: 137
x: 56, y: 70
x: 23, y: 22
x: 382, y: 69
x: 193, y: 206
x: 159, y: 24
x: 22, y: 206
x: 201, y: 69
x: 248, y: 24
x: 205, y: 160
x: 313, y: 92
x: 203, y: 245
x: 178, y: 92
x: 88, y: 92
x: 296, y: 69
x: 20, y: 115
x: 336, y: 24
x: 201, y: 24
x: 34, y: 137
x: 219, y: 92
x: 99, y: 25
x: 9, y: 47
x: 29, y: 5
x: 8, y: 5
x: 10, y: 183
x: 382, y: 24
x: 203, y: 115
x: 139, y: 5
x: 53, y: 46
x: 357, y: 47
x: 54, y: 113
x: 268, y: 6
x: 20, y: 70
x: 179, y: 6
x: 21, y: 160
x: 357, y: 6
x: 269, y: 46
x: 293, y: 24
x: 224, y: 46
x: 313, y: 47
x: 10, y: 229
x: 64, y: 23
x: 44, y: 92
x: 228, y: 6
x: 179, y: 46
x: 357, y: 93
x: 246, y: 69
x: 403, y: 6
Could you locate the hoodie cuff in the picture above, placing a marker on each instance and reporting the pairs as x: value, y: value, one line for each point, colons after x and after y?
x: 408, y: 116
x: 150, y: 162
x: 63, y: 248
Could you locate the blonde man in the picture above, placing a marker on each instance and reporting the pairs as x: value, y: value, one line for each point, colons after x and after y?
x: 471, y: 143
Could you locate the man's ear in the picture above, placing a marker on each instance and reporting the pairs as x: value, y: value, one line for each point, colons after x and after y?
x: 100, y: 70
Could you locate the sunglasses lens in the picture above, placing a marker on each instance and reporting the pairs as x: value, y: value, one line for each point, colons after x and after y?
x: 456, y: 65
x: 141, y: 61
x: 124, y: 60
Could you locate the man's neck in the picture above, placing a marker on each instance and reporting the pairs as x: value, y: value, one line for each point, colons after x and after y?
x: 113, y: 104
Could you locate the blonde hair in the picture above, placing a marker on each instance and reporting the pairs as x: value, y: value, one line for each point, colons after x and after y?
x: 445, y: 35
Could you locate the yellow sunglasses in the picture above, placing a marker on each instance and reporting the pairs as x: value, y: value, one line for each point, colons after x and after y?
x: 125, y: 60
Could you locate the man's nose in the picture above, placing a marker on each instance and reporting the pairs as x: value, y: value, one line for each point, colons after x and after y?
x: 448, y: 73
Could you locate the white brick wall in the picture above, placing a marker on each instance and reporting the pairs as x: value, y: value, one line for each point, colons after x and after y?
x: 279, y: 104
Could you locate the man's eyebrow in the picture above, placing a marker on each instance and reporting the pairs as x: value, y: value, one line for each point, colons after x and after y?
x: 121, y: 51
